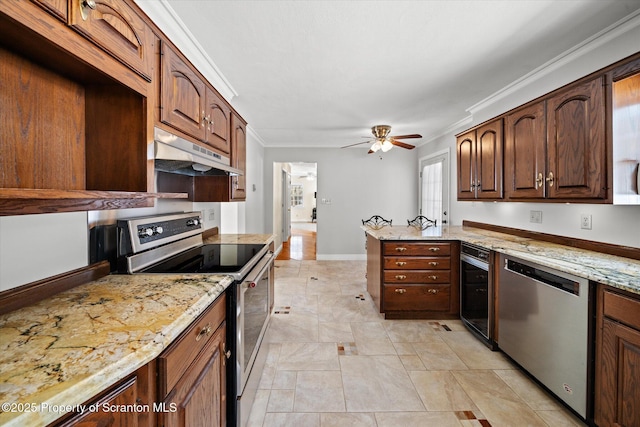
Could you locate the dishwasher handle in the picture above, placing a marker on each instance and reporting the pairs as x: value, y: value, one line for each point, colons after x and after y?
x: 542, y: 276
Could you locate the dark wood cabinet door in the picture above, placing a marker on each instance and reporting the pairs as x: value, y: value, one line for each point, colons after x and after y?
x: 238, y: 158
x: 117, y: 28
x: 576, y: 142
x: 488, y: 157
x: 465, y: 153
x: 525, y: 153
x: 618, y: 396
x: 199, y: 398
x: 182, y: 95
x: 58, y: 8
x: 218, y: 121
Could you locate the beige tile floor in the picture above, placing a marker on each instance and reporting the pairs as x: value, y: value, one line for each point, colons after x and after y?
x: 333, y: 360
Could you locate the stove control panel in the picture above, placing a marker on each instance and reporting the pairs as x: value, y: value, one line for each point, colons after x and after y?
x: 153, y: 231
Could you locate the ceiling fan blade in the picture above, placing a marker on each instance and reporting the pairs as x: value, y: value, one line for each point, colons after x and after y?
x: 402, y: 144
x: 413, y: 135
x: 370, y: 151
x: 357, y: 143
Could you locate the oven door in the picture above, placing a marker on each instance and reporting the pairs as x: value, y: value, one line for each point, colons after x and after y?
x: 252, y: 317
x: 475, y: 297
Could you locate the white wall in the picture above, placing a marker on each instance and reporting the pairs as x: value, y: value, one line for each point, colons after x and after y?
x: 610, y: 224
x: 358, y: 184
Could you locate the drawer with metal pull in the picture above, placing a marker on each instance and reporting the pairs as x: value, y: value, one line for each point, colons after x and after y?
x: 417, y: 276
x: 416, y: 263
x: 416, y: 297
x: 175, y: 360
x: 416, y: 249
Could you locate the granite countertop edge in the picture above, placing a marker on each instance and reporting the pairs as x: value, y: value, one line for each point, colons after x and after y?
x: 615, y: 271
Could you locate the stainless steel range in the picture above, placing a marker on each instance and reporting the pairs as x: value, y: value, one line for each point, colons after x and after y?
x: 173, y: 243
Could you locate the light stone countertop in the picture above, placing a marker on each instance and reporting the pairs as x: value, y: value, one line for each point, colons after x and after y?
x: 240, y: 239
x: 70, y: 347
x: 66, y: 349
x: 615, y: 271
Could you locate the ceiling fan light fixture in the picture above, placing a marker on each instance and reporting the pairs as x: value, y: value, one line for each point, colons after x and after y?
x: 386, y: 146
x: 376, y: 146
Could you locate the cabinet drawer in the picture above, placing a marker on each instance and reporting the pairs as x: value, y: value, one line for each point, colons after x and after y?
x: 417, y: 263
x: 411, y: 249
x: 417, y: 276
x: 623, y: 309
x: 175, y: 360
x: 117, y: 28
x: 416, y: 297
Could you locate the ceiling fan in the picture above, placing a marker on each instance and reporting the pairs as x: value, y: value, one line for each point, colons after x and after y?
x: 383, y: 141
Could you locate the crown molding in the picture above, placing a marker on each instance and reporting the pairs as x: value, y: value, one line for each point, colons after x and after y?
x: 252, y: 132
x: 466, y: 121
x: 163, y: 15
x: 612, y: 32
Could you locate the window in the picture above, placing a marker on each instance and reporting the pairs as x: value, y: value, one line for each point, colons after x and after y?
x: 296, y: 195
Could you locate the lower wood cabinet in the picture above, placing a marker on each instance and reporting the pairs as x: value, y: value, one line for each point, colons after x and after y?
x: 189, y: 377
x: 414, y: 279
x: 617, y: 385
x: 128, y: 403
x: 192, y: 373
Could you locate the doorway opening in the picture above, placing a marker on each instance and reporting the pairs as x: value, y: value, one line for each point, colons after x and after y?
x: 297, y: 210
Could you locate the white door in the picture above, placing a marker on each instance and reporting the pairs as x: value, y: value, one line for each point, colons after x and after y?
x: 434, y: 187
x: 286, y: 206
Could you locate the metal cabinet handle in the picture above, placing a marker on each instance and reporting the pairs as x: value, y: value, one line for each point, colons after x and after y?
x: 550, y: 179
x: 227, y: 353
x: 401, y: 263
x: 433, y: 277
x: 401, y: 276
x: 432, y: 291
x: 539, y: 180
x: 86, y: 6
x: 401, y: 249
x: 434, y: 249
x: 433, y: 263
x: 401, y: 291
x: 206, y: 331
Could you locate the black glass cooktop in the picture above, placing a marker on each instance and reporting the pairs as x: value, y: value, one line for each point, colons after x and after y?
x: 218, y: 258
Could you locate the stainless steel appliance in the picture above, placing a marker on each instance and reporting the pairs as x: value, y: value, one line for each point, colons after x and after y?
x: 177, y: 155
x: 543, y: 321
x: 173, y: 243
x: 476, y: 292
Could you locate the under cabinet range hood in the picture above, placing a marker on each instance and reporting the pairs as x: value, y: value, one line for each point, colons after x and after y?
x: 177, y: 155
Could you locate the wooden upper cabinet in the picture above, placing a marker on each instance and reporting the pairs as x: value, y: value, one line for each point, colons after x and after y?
x: 465, y: 152
x: 182, y: 95
x: 58, y: 8
x: 218, y: 122
x: 576, y: 148
x: 238, y: 157
x: 525, y: 153
x: 117, y: 28
x: 489, y: 160
x: 479, y: 157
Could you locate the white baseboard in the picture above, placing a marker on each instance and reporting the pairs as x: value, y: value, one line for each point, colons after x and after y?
x: 341, y: 257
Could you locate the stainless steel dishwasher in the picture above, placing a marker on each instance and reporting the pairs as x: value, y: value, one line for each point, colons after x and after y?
x: 543, y: 325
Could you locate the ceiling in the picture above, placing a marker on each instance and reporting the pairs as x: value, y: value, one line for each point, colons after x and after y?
x: 321, y: 73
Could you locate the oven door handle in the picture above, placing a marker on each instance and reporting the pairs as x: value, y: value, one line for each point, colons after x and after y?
x: 474, y: 262
x: 251, y: 280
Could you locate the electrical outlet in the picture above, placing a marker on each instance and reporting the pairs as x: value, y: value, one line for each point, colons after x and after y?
x: 211, y: 215
x: 585, y: 222
x: 535, y: 216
